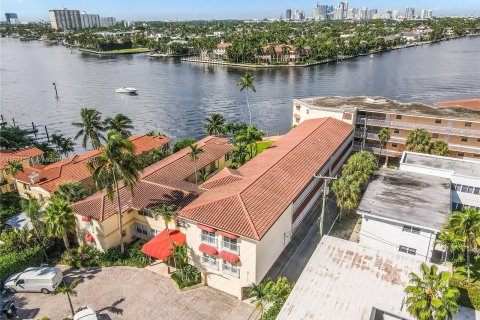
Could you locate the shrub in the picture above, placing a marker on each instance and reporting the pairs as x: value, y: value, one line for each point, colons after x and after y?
x: 183, y: 144
x: 186, y: 276
x: 10, y: 205
x: 18, y: 261
x: 469, y: 294
x: 272, y: 312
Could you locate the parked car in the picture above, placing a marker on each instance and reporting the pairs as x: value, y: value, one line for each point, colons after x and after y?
x: 41, y: 279
x: 85, y: 313
x: 8, y: 310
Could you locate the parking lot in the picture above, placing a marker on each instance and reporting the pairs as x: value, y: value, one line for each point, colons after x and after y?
x: 130, y: 293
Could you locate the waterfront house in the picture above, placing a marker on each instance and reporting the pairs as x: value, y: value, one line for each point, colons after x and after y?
x: 41, y: 181
x: 279, y: 53
x: 221, y: 49
x: 27, y: 157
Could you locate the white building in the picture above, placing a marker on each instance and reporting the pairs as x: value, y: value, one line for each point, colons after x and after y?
x: 106, y: 22
x: 409, y: 13
x: 426, y: 14
x: 464, y: 175
x: 403, y: 212
x: 65, y: 19
x: 89, y: 20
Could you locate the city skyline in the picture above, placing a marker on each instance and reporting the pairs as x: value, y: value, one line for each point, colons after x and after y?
x: 29, y: 10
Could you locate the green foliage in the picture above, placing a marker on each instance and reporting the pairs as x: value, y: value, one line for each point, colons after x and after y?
x: 15, y: 240
x: 440, y: 148
x: 63, y: 145
x: 14, y: 167
x: 120, y: 124
x: 10, y: 205
x: 183, y: 144
x: 469, y: 294
x: 248, y: 138
x: 180, y: 252
x: 186, y: 276
x: 150, y: 157
x: 14, y: 138
x: 70, y: 192
x: 270, y: 291
x: 215, y: 125
x: 90, y: 127
x: 272, y: 312
x: 419, y: 140
x: 15, y: 262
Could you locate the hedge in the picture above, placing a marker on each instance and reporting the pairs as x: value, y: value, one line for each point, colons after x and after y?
x: 16, y: 262
x: 469, y: 294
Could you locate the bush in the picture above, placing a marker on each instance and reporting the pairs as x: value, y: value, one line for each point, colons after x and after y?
x: 469, y: 294
x: 272, y: 312
x: 183, y: 144
x: 18, y: 261
x: 10, y: 205
x: 186, y: 276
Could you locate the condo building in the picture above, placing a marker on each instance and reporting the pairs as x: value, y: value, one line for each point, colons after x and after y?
x: 106, y: 22
x: 89, y: 20
x: 65, y: 19
x: 457, y: 126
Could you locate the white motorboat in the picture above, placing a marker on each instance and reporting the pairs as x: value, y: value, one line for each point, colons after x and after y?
x: 126, y: 90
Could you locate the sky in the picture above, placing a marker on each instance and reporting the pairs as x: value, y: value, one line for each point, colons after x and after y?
x: 29, y: 10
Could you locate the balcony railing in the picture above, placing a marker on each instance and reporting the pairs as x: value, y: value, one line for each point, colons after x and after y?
x: 371, y: 135
x: 373, y: 121
x: 377, y: 149
x: 463, y: 148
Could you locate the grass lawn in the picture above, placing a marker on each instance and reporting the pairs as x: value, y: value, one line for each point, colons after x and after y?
x: 469, y: 292
x: 262, y: 145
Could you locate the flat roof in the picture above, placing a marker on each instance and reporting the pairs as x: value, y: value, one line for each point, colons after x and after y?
x: 419, y: 199
x: 20, y: 221
x: 384, y: 105
x: 457, y: 166
x: 346, y: 280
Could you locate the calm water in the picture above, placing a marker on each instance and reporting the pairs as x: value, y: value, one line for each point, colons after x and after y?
x: 175, y: 97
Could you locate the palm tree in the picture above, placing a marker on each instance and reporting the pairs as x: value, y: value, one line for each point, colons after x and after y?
x: 32, y: 208
x: 90, y: 128
x: 260, y: 293
x: 450, y: 241
x: 116, y: 162
x: 240, y: 153
x: 430, y: 296
x: 194, y: 153
x: 60, y: 220
x: 167, y: 212
x: 347, y: 192
x: 68, y: 290
x: 70, y: 192
x: 419, y: 141
x: 361, y: 166
x: 120, y: 123
x: 440, y: 148
x: 249, y: 137
x: 247, y: 82
x: 383, y: 136
x: 466, y: 224
x: 215, y: 124
x: 14, y: 167
x: 67, y: 146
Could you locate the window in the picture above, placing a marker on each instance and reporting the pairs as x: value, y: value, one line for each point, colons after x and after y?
x: 411, y: 229
x: 458, y: 187
x: 478, y: 140
x: 438, y: 120
x: 470, y: 189
x: 399, y: 117
x: 396, y: 131
x: 298, y: 107
x: 230, y: 244
x: 464, y: 188
x: 394, y: 145
x: 435, y: 135
x: 209, y: 237
x: 468, y: 124
x: 227, y: 156
x: 209, y: 261
x: 142, y: 229
x: 154, y: 232
x: 146, y: 212
x: 460, y: 154
x: 464, y: 139
x: 407, y: 250
x: 308, y: 111
x: 476, y: 155
x: 230, y: 268
x: 476, y: 191
x: 181, y: 222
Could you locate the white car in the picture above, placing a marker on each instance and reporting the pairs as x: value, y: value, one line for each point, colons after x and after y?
x: 41, y: 279
x: 86, y: 313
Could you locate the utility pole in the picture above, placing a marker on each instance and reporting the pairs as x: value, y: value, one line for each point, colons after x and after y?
x: 326, y: 190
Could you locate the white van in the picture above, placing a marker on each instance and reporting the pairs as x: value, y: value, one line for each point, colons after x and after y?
x: 42, y: 279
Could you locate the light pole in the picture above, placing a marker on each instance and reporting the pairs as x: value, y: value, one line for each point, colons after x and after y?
x: 326, y: 190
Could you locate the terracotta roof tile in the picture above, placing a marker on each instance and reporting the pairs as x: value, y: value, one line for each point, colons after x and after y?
x: 7, y: 156
x: 224, y: 177
x: 271, y: 181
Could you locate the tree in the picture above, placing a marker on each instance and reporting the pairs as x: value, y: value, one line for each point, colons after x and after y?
x: 384, y: 137
x: 14, y: 138
x: 32, y: 208
x: 91, y: 128
x: 430, y: 296
x: 347, y: 192
x: 260, y: 294
x: 440, y: 148
x: 419, y: 141
x: 116, y: 162
x: 120, y: 123
x: 70, y: 192
x: 466, y: 224
x: 361, y: 166
x: 60, y: 220
x: 247, y: 83
x: 167, y: 212
x: 215, y: 125
x: 183, y: 144
x: 240, y: 154
x: 194, y: 153
x: 249, y: 138
x: 450, y: 241
x: 68, y: 290
x: 14, y: 167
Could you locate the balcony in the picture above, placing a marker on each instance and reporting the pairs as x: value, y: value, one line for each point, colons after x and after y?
x: 373, y: 121
x: 376, y: 150
x: 463, y: 148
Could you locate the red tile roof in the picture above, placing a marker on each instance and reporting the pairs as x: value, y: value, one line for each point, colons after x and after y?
x: 161, y: 183
x: 271, y: 181
x: 473, y: 104
x: 74, y: 169
x: 225, y: 176
x: 7, y: 156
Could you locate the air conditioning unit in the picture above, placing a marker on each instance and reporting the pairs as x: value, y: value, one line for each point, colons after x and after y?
x: 34, y: 177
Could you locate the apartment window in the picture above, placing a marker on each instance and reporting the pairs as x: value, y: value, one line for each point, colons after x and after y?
x: 458, y: 187
x: 209, y: 261
x: 230, y: 269
x: 464, y: 139
x: 209, y: 237
x: 396, y: 131
x: 146, y: 212
x: 460, y: 154
x: 476, y: 155
x: 394, y: 145
x: 298, y: 107
x: 476, y: 191
x: 411, y: 229
x: 435, y: 135
x: 230, y: 244
x: 308, y: 111
x: 154, y: 232
x: 399, y: 117
x: 227, y: 156
x: 478, y: 140
x: 407, y: 250
x: 181, y: 222
x: 142, y: 229
x: 438, y: 120
x: 465, y: 189
x: 468, y: 124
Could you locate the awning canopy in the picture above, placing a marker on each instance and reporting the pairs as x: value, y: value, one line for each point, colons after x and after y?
x: 89, y: 238
x: 159, y: 247
x: 85, y: 218
x: 206, y: 228
x: 296, y: 115
x: 205, y: 248
x: 230, y: 257
x: 227, y: 235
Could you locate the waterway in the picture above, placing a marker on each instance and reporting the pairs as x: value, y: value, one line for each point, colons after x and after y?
x: 175, y: 97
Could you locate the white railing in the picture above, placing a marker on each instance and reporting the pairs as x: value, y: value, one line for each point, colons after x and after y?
x: 463, y: 148
x: 377, y: 150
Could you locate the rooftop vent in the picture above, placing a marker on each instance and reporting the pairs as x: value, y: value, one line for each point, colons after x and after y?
x: 34, y: 177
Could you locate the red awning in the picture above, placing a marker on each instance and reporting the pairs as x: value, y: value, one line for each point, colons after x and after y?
x: 89, y: 238
x: 208, y: 249
x: 85, y: 218
x: 296, y: 115
x: 230, y: 257
x: 159, y: 247
x: 201, y: 226
x: 227, y: 235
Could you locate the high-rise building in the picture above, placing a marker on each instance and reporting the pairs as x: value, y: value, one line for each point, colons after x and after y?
x: 372, y: 13
x: 409, y: 13
x: 106, y: 22
x: 395, y: 15
x: 338, y: 12
x: 344, y: 9
x: 9, y: 16
x: 363, y: 13
x: 320, y: 12
x: 426, y: 14
x: 65, y: 19
x: 299, y: 15
x: 89, y: 20
x: 288, y: 14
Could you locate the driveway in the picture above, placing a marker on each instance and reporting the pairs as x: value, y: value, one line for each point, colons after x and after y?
x: 130, y: 293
